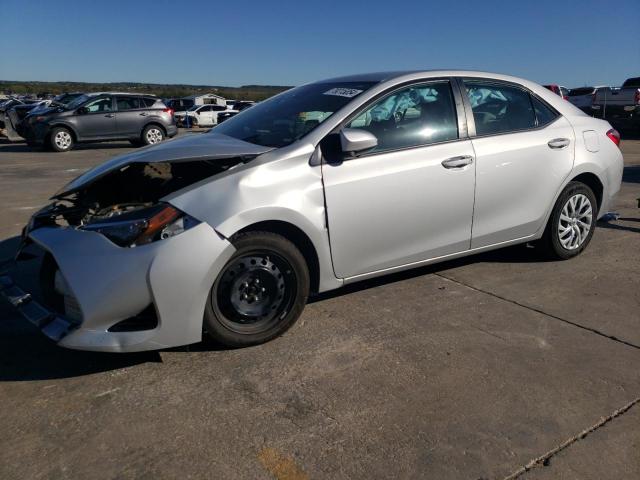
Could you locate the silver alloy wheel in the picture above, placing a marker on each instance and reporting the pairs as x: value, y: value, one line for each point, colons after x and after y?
x: 576, y: 221
x: 154, y: 135
x: 63, y: 140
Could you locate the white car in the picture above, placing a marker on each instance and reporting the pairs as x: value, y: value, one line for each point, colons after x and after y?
x: 326, y: 184
x: 202, y: 115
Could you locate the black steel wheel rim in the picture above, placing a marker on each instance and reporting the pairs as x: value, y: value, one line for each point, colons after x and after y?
x: 254, y: 292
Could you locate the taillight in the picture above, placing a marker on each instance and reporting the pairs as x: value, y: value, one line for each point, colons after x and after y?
x: 614, y: 135
x: 169, y: 111
x: 636, y: 97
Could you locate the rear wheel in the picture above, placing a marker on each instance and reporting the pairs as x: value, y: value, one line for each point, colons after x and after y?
x: 152, y: 134
x: 572, y: 222
x: 259, y: 293
x: 60, y: 139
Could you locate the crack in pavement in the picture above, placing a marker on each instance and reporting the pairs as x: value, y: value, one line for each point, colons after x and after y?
x: 543, y: 460
x: 538, y: 310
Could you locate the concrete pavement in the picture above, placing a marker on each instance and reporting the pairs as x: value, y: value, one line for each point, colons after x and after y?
x: 495, y: 366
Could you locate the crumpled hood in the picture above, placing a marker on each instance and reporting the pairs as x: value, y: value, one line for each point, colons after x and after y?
x: 206, y: 146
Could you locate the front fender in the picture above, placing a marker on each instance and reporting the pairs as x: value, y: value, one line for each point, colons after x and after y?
x: 282, y: 186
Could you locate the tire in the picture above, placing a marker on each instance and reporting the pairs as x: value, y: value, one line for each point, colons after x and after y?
x: 571, y: 225
x: 152, y: 135
x: 61, y: 139
x: 260, y: 292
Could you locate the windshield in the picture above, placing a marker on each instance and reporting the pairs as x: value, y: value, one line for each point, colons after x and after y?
x: 283, y: 119
x: 76, y: 102
x: 194, y: 108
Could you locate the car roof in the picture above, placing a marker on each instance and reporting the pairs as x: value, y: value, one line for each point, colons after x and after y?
x: 380, y: 77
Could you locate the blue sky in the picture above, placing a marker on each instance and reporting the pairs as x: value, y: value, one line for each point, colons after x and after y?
x: 292, y: 42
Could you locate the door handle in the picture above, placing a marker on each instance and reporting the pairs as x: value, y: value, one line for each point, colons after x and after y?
x: 109, y: 115
x: 558, y: 143
x: 457, y: 162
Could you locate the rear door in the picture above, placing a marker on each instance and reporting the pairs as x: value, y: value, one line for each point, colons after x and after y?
x: 524, y: 151
x: 130, y: 116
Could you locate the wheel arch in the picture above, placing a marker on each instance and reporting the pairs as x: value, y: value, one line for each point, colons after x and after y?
x: 299, y: 238
x: 592, y: 181
x: 153, y: 122
x: 585, y: 173
x: 69, y: 127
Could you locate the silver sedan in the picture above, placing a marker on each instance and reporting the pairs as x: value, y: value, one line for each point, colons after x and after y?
x: 326, y: 184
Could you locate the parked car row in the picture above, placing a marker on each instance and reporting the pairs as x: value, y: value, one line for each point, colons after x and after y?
x: 61, y: 122
x: 210, y: 115
x: 93, y: 117
x: 618, y: 105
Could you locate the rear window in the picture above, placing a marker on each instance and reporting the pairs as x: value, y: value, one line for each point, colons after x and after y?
x: 128, y: 103
x: 575, y: 92
x: 632, y: 82
x: 500, y: 108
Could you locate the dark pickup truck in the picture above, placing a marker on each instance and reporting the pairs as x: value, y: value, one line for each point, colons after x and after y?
x: 620, y: 106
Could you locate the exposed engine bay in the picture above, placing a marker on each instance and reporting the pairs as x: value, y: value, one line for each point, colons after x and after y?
x: 131, y: 188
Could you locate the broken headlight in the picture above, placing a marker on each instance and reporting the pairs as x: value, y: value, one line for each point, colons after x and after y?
x: 144, y: 225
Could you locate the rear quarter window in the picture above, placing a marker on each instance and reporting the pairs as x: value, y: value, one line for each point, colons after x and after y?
x: 544, y: 113
x: 148, y: 102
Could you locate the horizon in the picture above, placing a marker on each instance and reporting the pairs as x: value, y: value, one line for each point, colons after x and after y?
x: 249, y: 43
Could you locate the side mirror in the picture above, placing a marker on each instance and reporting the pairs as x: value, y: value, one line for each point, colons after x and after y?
x: 82, y: 110
x: 354, y: 140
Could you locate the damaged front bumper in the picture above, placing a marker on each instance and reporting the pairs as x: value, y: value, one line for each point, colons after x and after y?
x: 112, y: 284
x: 52, y: 325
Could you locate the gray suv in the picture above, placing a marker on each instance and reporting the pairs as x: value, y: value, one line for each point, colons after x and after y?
x: 97, y: 117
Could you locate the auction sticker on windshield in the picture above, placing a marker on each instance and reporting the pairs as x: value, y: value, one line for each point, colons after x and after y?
x: 343, y: 92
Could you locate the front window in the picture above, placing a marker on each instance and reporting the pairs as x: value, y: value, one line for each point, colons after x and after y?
x: 102, y: 104
x: 283, y: 119
x: 412, y: 116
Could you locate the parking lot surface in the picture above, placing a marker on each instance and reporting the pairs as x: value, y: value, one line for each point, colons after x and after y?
x: 496, y: 366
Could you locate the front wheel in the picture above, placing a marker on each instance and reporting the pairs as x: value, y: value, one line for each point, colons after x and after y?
x: 152, y: 134
x: 572, y: 222
x: 61, y: 139
x: 259, y: 293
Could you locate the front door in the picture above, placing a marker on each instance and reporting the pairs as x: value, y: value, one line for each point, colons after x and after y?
x: 98, y: 120
x: 411, y: 197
